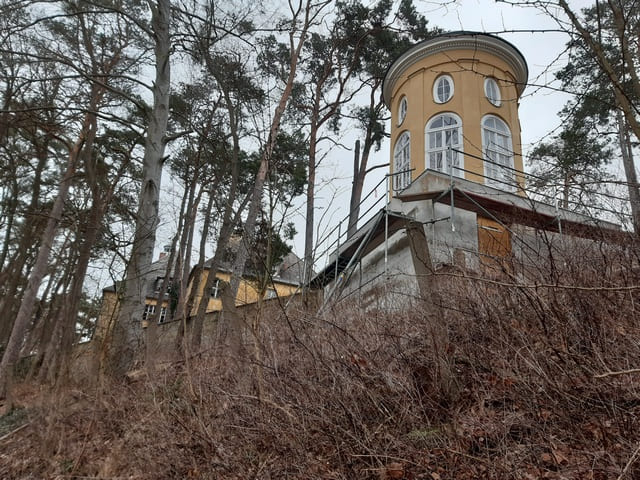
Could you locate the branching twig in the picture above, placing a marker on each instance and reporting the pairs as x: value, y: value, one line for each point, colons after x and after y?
x: 621, y: 372
x: 14, y: 431
x: 629, y: 463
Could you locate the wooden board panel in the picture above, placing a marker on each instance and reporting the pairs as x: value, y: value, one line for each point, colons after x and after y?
x: 494, y: 241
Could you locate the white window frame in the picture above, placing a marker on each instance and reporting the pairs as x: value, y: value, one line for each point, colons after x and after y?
x: 494, y: 98
x: 215, y: 290
x: 436, y: 85
x: 497, y: 150
x: 149, y: 310
x: 403, y: 106
x: 448, y: 157
x: 270, y: 293
x: 402, y: 162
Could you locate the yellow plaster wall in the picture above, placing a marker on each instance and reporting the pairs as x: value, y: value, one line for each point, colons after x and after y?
x: 468, y: 69
x: 248, y: 292
x: 108, y: 314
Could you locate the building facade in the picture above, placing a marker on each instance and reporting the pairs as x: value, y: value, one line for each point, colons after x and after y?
x: 457, y: 193
x: 283, y: 283
x: 457, y: 93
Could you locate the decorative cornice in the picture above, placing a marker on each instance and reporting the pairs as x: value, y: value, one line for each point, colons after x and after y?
x: 474, y: 41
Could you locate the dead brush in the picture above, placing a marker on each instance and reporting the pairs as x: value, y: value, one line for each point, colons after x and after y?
x: 505, y: 376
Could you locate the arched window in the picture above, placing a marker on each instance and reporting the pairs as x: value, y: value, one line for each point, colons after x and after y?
x: 402, y: 110
x: 492, y: 91
x: 402, y: 162
x: 443, y: 89
x: 498, y: 153
x: 442, y: 132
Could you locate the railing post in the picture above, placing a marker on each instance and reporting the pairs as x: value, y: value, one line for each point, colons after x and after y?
x: 338, y: 250
x: 453, y: 226
x: 386, y: 229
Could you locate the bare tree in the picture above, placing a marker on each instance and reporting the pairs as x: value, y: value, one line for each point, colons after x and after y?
x: 127, y: 331
x: 607, y: 35
x: 82, y: 59
x: 387, y: 34
x: 304, y: 15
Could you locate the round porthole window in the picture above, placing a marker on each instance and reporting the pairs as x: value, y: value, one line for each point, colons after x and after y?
x: 402, y: 110
x: 492, y: 91
x: 443, y: 89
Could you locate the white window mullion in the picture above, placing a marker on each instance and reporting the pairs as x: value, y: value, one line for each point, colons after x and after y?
x: 442, y: 133
x: 402, y: 162
x: 497, y: 147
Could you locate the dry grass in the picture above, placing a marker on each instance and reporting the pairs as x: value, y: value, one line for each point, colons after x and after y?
x: 497, y: 381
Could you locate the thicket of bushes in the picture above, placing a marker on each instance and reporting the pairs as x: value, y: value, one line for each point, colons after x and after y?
x: 508, y: 376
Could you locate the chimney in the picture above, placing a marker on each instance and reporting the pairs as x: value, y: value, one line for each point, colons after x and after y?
x: 164, y: 252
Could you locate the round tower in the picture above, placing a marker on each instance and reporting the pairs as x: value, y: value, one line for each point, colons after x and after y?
x: 454, y: 110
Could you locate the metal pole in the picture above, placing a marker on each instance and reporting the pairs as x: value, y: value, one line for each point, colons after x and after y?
x: 558, y: 213
x: 453, y: 226
x: 386, y: 230
x: 338, y: 251
x: 386, y: 240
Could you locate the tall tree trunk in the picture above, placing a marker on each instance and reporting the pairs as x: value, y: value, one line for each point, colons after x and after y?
x: 228, y: 220
x: 184, y: 264
x: 127, y: 331
x: 565, y: 190
x: 360, y: 164
x: 310, y: 220
x: 15, y: 270
x: 356, y: 192
x: 258, y: 187
x: 223, y: 240
x: 72, y: 304
x: 356, y: 189
x: 196, y: 334
x: 630, y: 171
x: 12, y: 204
x: 171, y: 270
x: 151, y: 343
x: 38, y: 272
x: 186, y: 246
x: 42, y: 333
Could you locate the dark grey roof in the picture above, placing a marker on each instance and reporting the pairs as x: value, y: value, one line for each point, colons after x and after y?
x: 291, y: 269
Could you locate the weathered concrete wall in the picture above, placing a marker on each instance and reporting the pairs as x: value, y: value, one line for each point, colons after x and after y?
x: 399, y: 282
x: 394, y: 285
x: 443, y: 241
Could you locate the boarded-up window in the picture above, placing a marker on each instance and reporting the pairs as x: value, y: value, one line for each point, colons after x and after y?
x: 494, y: 242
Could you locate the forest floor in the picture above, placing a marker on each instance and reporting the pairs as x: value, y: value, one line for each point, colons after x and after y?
x: 492, y: 381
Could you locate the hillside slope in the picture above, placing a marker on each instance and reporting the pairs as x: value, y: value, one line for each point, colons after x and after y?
x: 493, y: 378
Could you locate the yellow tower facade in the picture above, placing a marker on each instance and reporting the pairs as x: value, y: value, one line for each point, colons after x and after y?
x: 454, y: 110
